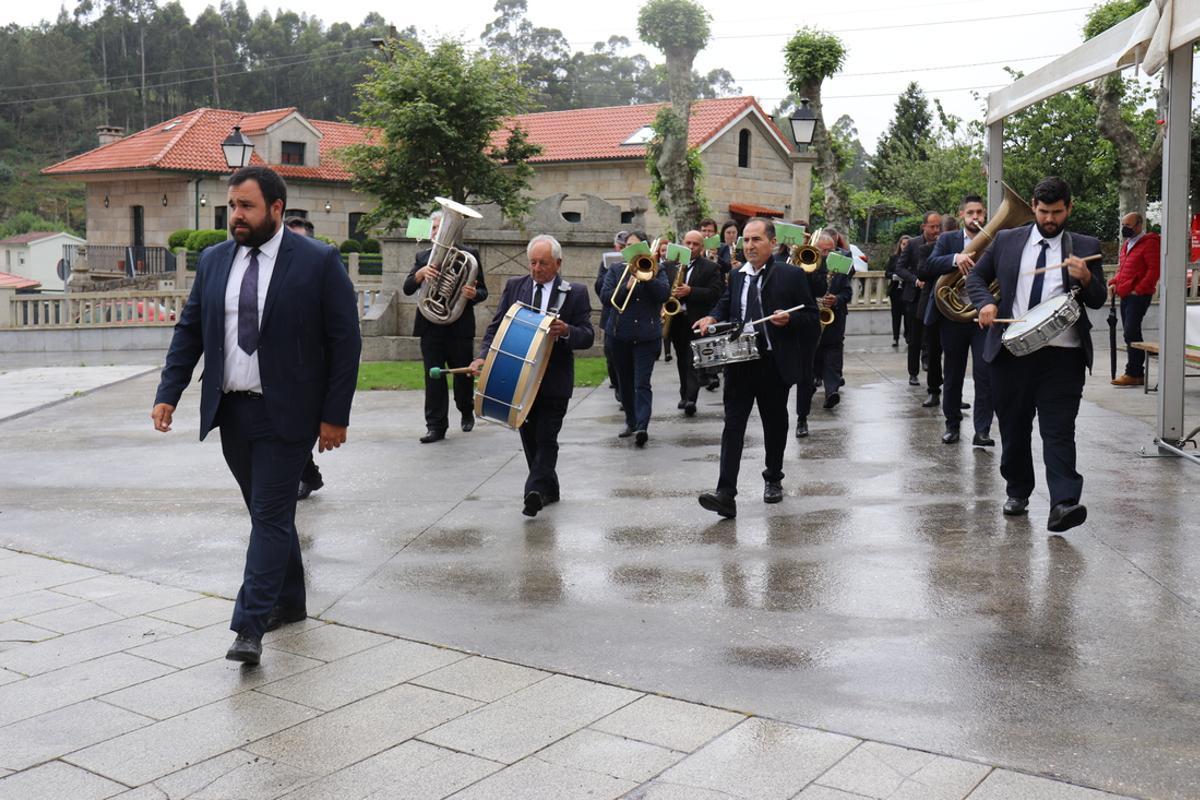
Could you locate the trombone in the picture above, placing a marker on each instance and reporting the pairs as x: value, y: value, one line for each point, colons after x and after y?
x: 642, y: 267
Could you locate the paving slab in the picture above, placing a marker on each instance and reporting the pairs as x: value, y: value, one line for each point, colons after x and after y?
x: 669, y: 723
x: 233, y: 775
x: 894, y: 773
x: 57, y: 781
x: 483, y: 679
x: 31, y: 603
x: 197, y: 613
x: 593, y: 751
x: 327, y: 642
x: 74, y: 618
x: 75, y: 648
x: 533, y: 779
x: 56, y: 733
x: 127, y: 596
x: 74, y: 684
x: 25, y: 390
x: 1004, y: 785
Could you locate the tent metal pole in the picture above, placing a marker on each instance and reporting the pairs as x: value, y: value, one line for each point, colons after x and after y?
x: 995, y: 137
x: 1176, y: 246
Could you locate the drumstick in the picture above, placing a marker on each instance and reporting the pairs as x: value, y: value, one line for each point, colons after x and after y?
x: 1008, y: 320
x: 437, y: 372
x: 1060, y: 266
x: 783, y: 311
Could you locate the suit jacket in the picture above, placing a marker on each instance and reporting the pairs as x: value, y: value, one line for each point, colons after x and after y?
x: 781, y: 286
x: 641, y: 321
x: 1002, y: 260
x: 707, y: 284
x: 909, y: 266
x: 464, y: 326
x: 941, y: 262
x: 574, y: 308
x: 309, y: 340
x: 834, y: 283
x: 725, y: 256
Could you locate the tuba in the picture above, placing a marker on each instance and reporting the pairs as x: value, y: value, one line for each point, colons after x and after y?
x: 441, y: 299
x: 950, y: 292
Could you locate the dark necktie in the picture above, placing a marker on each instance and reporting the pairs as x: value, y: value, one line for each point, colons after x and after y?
x: 248, y: 307
x: 753, y: 305
x: 537, y: 296
x: 1035, y: 294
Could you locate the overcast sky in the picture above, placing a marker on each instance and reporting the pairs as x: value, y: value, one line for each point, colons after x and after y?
x: 947, y: 47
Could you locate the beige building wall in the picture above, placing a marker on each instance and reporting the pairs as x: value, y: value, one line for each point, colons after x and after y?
x: 624, y: 184
x: 766, y: 182
x: 269, y: 144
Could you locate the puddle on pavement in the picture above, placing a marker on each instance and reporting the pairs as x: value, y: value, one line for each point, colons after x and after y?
x: 450, y: 541
x: 655, y: 585
x: 768, y: 657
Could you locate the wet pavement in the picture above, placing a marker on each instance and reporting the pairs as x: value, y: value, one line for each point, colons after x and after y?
x: 886, y: 598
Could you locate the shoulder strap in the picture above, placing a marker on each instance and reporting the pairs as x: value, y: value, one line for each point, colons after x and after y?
x: 560, y: 296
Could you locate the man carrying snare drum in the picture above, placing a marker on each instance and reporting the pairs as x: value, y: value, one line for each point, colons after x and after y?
x: 544, y: 289
x: 1035, y: 263
x: 761, y: 301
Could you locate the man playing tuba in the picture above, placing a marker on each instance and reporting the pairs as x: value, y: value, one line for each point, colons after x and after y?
x: 446, y: 344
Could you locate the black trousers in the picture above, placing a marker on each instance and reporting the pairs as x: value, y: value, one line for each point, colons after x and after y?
x: 747, y: 383
x: 960, y: 339
x: 609, y: 363
x: 267, y: 468
x: 830, y: 356
x: 539, y: 440
x: 680, y: 338
x: 1133, y: 310
x: 805, y: 387
x: 635, y: 364
x: 440, y: 350
x: 1048, y: 384
x: 914, y: 337
x: 933, y: 349
x: 896, y: 303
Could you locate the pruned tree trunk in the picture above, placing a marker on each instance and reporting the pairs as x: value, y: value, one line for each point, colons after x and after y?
x: 679, y: 185
x: 1134, y: 165
x: 837, y: 198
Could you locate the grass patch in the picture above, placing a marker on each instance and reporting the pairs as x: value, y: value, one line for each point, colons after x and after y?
x: 392, y: 375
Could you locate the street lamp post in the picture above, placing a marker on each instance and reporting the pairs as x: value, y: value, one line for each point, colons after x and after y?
x: 238, y: 148
x: 804, y: 128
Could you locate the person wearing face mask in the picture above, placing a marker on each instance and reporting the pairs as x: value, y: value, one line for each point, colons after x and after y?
x: 1135, y: 283
x: 276, y: 319
x: 1047, y: 383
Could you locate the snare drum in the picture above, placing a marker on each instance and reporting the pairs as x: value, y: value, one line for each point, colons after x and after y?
x: 718, y: 350
x: 514, y: 366
x: 1042, y: 324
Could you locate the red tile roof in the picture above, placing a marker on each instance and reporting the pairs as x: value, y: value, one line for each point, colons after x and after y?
x: 10, y: 281
x: 29, y: 238
x: 192, y: 143
x: 590, y: 134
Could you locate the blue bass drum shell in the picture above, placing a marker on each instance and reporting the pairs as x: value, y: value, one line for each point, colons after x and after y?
x: 514, y: 366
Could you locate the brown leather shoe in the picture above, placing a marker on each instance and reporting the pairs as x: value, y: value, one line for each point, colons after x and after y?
x: 1128, y: 380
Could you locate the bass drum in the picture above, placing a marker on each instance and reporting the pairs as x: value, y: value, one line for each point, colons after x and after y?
x: 1042, y: 324
x: 514, y: 366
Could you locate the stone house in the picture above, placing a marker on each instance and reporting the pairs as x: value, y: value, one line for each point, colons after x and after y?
x: 142, y: 187
x: 36, y: 255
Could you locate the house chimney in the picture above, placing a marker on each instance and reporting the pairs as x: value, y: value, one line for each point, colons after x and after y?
x: 108, y: 133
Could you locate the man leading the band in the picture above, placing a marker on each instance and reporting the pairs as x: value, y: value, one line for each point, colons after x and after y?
x: 697, y: 293
x: 961, y: 338
x: 449, y: 345
x: 544, y: 289
x: 760, y: 288
x: 1048, y: 382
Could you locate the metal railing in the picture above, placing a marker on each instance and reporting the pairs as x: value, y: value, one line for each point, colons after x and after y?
x: 116, y: 259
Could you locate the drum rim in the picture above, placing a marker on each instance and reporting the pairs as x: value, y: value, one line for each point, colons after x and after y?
x: 1018, y: 329
x: 540, y: 345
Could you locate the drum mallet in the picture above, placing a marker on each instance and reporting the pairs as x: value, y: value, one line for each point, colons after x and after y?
x: 438, y: 372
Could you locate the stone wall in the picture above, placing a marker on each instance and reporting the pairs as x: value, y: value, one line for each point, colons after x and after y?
x: 767, y: 181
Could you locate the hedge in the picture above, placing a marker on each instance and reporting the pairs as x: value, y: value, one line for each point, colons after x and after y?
x: 198, y: 240
x: 351, y: 246
x: 179, y: 238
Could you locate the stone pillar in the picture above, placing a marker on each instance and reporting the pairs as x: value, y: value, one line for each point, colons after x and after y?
x: 352, y: 266
x: 6, y: 315
x: 802, y: 176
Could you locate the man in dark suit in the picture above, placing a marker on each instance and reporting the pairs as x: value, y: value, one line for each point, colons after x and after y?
x: 829, y: 358
x: 961, y: 338
x: 609, y: 261
x: 910, y: 267
x: 1048, y: 382
x: 545, y: 289
x: 275, y: 317
x: 446, y: 345
x: 760, y: 288
x: 697, y: 294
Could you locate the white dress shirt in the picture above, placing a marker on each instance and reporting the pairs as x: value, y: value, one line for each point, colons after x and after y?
x: 1051, y: 287
x: 241, y: 369
x: 750, y: 272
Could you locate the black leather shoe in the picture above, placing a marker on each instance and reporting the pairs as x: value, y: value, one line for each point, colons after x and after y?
x: 714, y: 384
x: 310, y: 484
x: 246, y: 649
x: 964, y: 406
x: 983, y: 440
x: 933, y: 400
x: 682, y: 404
x: 913, y: 380
x: 305, y: 490
x: 639, y: 438
x: 895, y: 342
x: 626, y: 433
x: 950, y: 436
x: 468, y: 422
x: 689, y: 409
x: 1064, y: 516
x: 1016, y: 506
x: 533, y: 504
x: 773, y: 492
x: 801, y: 428
x: 723, y: 504
x: 432, y: 436
x: 281, y: 616
x: 832, y: 400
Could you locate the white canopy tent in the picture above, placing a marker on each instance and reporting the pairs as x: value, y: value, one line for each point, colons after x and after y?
x: 1158, y: 37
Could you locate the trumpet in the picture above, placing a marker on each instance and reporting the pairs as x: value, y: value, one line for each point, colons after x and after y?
x: 642, y: 267
x: 805, y: 256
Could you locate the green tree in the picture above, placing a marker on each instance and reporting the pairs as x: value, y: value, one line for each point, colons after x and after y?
x: 810, y: 57
x: 542, y: 54
x: 1136, y: 139
x: 909, y: 136
x: 679, y: 28
x: 435, y: 112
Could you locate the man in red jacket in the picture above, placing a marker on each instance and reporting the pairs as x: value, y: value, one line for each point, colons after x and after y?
x: 1134, y: 283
